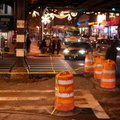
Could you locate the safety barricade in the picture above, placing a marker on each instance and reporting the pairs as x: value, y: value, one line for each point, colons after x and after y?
x: 98, y: 67
x: 64, y: 94
x: 108, y: 79
x: 89, y: 62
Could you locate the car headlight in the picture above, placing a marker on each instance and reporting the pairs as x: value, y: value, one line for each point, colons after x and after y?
x: 82, y: 51
x: 79, y: 40
x: 66, y: 51
x: 118, y: 48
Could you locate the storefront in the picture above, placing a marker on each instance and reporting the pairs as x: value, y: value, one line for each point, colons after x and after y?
x: 6, y: 30
x: 83, y: 24
x: 106, y: 28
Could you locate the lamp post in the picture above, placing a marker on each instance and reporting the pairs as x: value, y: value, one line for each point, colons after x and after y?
x: 41, y: 24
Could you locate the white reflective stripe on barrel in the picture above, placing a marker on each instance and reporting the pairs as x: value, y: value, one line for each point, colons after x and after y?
x: 98, y: 72
x: 108, y: 80
x: 108, y: 71
x: 64, y: 95
x: 88, y: 60
x: 99, y: 65
x: 64, y: 82
x: 89, y: 66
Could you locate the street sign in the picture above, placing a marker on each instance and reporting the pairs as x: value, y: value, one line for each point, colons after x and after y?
x: 6, y: 22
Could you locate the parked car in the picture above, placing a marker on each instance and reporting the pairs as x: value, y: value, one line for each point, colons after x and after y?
x: 103, y: 44
x: 77, y: 50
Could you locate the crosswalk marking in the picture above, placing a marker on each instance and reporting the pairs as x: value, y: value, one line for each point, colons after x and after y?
x: 31, y: 98
x: 93, y: 103
x: 48, y: 67
x: 24, y: 91
x: 9, y: 100
x: 67, y: 66
x: 44, y: 65
x: 42, y: 91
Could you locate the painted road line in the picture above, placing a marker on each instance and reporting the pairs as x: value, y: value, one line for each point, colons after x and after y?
x: 44, y: 67
x: 39, y: 91
x: 34, y: 98
x: 28, y: 91
x: 93, y: 103
x: 67, y: 66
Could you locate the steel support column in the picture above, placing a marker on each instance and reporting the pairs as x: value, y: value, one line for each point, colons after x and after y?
x: 20, y: 41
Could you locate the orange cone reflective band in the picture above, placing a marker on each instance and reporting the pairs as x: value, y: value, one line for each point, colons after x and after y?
x: 98, y: 67
x: 89, y: 63
x: 108, y: 74
x: 64, y: 94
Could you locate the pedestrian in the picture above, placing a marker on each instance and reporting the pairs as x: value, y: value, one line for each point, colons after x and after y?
x: 28, y: 42
x: 53, y: 46
x: 111, y: 52
x: 58, y: 46
x: 43, y: 46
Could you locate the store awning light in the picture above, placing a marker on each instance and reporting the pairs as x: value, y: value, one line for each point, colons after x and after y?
x: 101, y: 18
x: 74, y: 14
x: 78, y: 23
x: 35, y: 13
x: 113, y: 9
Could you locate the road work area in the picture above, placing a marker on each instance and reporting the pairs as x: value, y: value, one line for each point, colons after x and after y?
x: 35, y: 100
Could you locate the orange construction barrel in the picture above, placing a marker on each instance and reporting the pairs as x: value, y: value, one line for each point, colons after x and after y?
x: 89, y: 62
x: 98, y: 67
x: 108, y: 79
x: 64, y: 92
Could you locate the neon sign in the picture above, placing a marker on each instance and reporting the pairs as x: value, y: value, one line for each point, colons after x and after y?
x: 92, y: 23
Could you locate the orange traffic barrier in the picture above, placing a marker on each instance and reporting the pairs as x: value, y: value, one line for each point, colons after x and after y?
x: 98, y: 67
x: 89, y: 62
x: 64, y: 94
x: 108, y: 74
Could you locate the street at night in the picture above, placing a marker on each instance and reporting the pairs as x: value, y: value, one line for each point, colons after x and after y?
x: 59, y: 60
x: 35, y: 98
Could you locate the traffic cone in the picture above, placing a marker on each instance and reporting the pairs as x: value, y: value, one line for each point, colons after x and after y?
x: 108, y: 79
x: 89, y: 62
x: 98, y: 67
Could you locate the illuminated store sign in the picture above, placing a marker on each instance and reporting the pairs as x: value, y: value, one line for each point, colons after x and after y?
x: 92, y: 23
x: 6, y: 22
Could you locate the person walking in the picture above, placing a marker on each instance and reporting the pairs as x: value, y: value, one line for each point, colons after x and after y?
x: 28, y: 42
x: 53, y: 46
x: 58, y: 46
x: 43, y: 46
x: 111, y: 52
